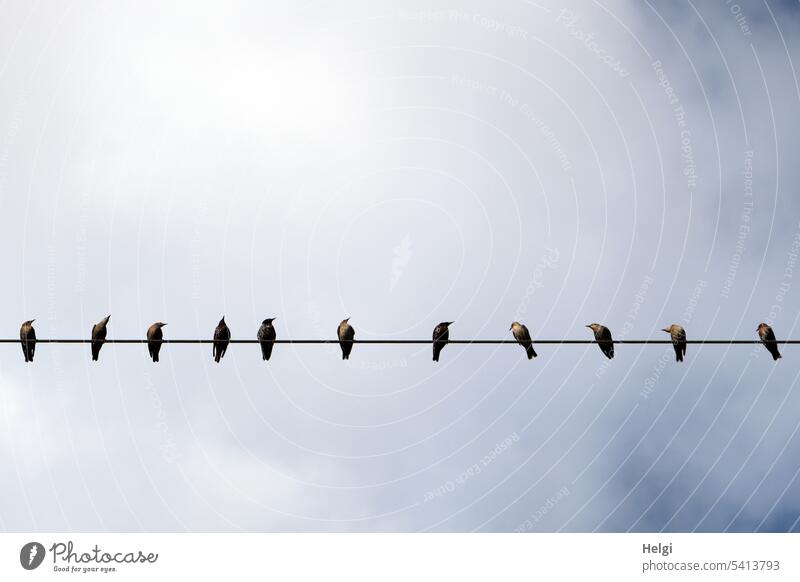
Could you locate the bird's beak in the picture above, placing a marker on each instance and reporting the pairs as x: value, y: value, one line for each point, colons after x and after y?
x: 450, y: 322
x: 274, y: 318
x: 589, y: 326
x: 163, y: 324
x: 510, y: 328
x: 665, y: 329
x: 32, y: 320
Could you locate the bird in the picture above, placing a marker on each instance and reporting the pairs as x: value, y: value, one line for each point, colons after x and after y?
x: 441, y: 335
x: 154, y: 337
x: 768, y: 339
x: 266, y: 337
x: 523, y: 337
x: 27, y: 337
x: 99, y: 331
x: 346, y: 335
x: 603, y: 337
x: 678, y: 335
x: 222, y: 336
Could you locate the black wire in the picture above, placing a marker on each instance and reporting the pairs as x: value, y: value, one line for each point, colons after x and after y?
x: 390, y: 341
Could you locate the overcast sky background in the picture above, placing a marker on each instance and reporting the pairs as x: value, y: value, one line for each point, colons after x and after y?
x: 633, y: 164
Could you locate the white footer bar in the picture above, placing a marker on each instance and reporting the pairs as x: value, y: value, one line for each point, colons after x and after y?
x: 388, y: 557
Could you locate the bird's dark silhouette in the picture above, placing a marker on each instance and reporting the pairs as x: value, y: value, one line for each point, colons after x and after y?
x: 441, y: 335
x: 27, y: 337
x: 222, y: 337
x: 154, y: 337
x: 678, y: 335
x: 523, y: 337
x: 602, y: 336
x: 346, y: 335
x: 768, y: 339
x: 99, y: 331
x: 266, y: 337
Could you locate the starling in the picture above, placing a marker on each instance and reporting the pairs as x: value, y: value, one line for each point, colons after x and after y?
x: 441, y: 334
x: 27, y: 337
x: 768, y: 339
x: 154, y: 337
x: 222, y: 336
x: 346, y: 335
x: 266, y: 337
x: 99, y: 331
x: 523, y: 337
x: 603, y: 337
x: 678, y: 335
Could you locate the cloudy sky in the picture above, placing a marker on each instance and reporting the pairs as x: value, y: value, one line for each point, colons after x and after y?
x: 629, y: 163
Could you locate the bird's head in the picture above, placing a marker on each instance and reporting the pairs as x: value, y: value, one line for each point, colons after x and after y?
x: 29, y: 322
x: 761, y: 326
x: 594, y: 326
x: 667, y: 329
x: 106, y: 318
x: 222, y: 321
x: 513, y: 325
x: 160, y: 324
x: 346, y: 320
x: 269, y: 320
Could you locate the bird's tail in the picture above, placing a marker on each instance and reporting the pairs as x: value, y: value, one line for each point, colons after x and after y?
x: 776, y: 355
x: 531, y: 352
x: 155, y: 357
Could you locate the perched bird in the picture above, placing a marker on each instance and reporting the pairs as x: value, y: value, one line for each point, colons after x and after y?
x: 154, y: 337
x: 768, y: 339
x: 99, y: 331
x: 27, y: 337
x: 222, y: 336
x: 603, y: 337
x: 441, y: 335
x: 266, y: 337
x: 678, y: 335
x: 523, y: 337
x: 346, y: 335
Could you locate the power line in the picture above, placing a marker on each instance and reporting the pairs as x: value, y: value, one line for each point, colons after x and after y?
x: 395, y: 341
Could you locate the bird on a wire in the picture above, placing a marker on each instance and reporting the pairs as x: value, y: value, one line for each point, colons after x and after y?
x: 441, y: 335
x: 222, y: 337
x: 99, y: 332
x: 266, y: 337
x: 154, y: 337
x: 523, y: 337
x: 678, y: 335
x: 27, y: 337
x: 602, y: 336
x: 768, y: 339
x: 346, y: 334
